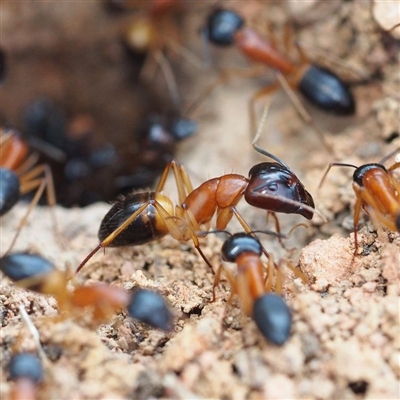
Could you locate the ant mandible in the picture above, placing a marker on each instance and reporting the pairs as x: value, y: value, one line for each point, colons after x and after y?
x: 19, y: 175
x: 35, y: 273
x: 318, y: 85
x: 377, y: 191
x: 269, y: 311
x: 145, y: 216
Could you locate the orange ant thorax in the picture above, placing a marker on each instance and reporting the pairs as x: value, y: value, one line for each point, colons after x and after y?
x: 260, y: 50
x: 14, y: 153
x: 250, y: 279
x: 379, y: 183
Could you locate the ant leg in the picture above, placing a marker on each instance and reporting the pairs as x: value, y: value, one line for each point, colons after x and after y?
x: 375, y: 213
x: 357, y: 211
x: 301, y: 110
x: 113, y: 235
x: 247, y: 228
x: 40, y: 184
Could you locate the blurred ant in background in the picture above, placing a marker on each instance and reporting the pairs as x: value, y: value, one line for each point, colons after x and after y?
x: 33, y: 272
x: 141, y: 217
x: 26, y: 371
x: 320, y: 86
x: 377, y: 191
x: 20, y: 174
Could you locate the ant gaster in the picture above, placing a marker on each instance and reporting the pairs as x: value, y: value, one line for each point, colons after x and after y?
x: 377, y: 191
x: 269, y: 311
x: 145, y: 216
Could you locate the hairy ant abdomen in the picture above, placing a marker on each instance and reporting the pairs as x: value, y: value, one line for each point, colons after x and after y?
x: 146, y: 227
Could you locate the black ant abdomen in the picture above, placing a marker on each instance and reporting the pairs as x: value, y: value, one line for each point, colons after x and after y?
x: 221, y: 27
x: 147, y: 226
x: 149, y: 307
x: 9, y: 190
x: 20, y: 266
x: 277, y: 181
x: 273, y: 318
x: 327, y: 91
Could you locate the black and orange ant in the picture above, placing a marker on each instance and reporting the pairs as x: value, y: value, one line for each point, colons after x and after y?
x: 19, y: 175
x: 269, y: 311
x: 26, y: 370
x: 35, y: 273
x: 320, y: 86
x: 145, y: 216
x: 377, y: 191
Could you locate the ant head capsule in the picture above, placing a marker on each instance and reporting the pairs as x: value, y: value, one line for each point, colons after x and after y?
x: 361, y: 172
x: 222, y: 25
x: 271, y: 183
x: 26, y: 365
x: 240, y: 243
x: 149, y: 307
x: 273, y: 318
x: 20, y: 266
x: 9, y: 190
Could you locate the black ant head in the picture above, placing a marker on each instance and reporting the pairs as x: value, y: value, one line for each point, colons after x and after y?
x: 240, y: 243
x: 221, y: 26
x: 21, y: 266
x: 273, y: 318
x: 26, y: 365
x: 149, y: 307
x: 273, y: 187
x: 360, y: 172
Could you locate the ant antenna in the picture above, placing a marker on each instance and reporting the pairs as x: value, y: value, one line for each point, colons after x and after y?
x: 334, y: 164
x: 392, y: 153
x: 256, y: 147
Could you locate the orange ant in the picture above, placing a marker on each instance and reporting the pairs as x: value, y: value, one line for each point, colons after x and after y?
x: 35, y: 273
x: 19, y: 175
x: 269, y: 311
x: 26, y: 370
x: 377, y: 191
x: 142, y: 217
x: 320, y: 86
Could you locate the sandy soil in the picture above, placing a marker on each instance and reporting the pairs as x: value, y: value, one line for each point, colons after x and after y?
x: 345, y: 340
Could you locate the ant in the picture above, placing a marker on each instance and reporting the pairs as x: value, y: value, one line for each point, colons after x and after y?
x: 269, y: 311
x: 141, y: 217
x: 19, y: 175
x: 26, y: 370
x: 377, y: 191
x: 320, y: 86
x: 35, y: 273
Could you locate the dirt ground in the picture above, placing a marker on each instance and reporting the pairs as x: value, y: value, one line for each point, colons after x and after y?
x: 345, y: 339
